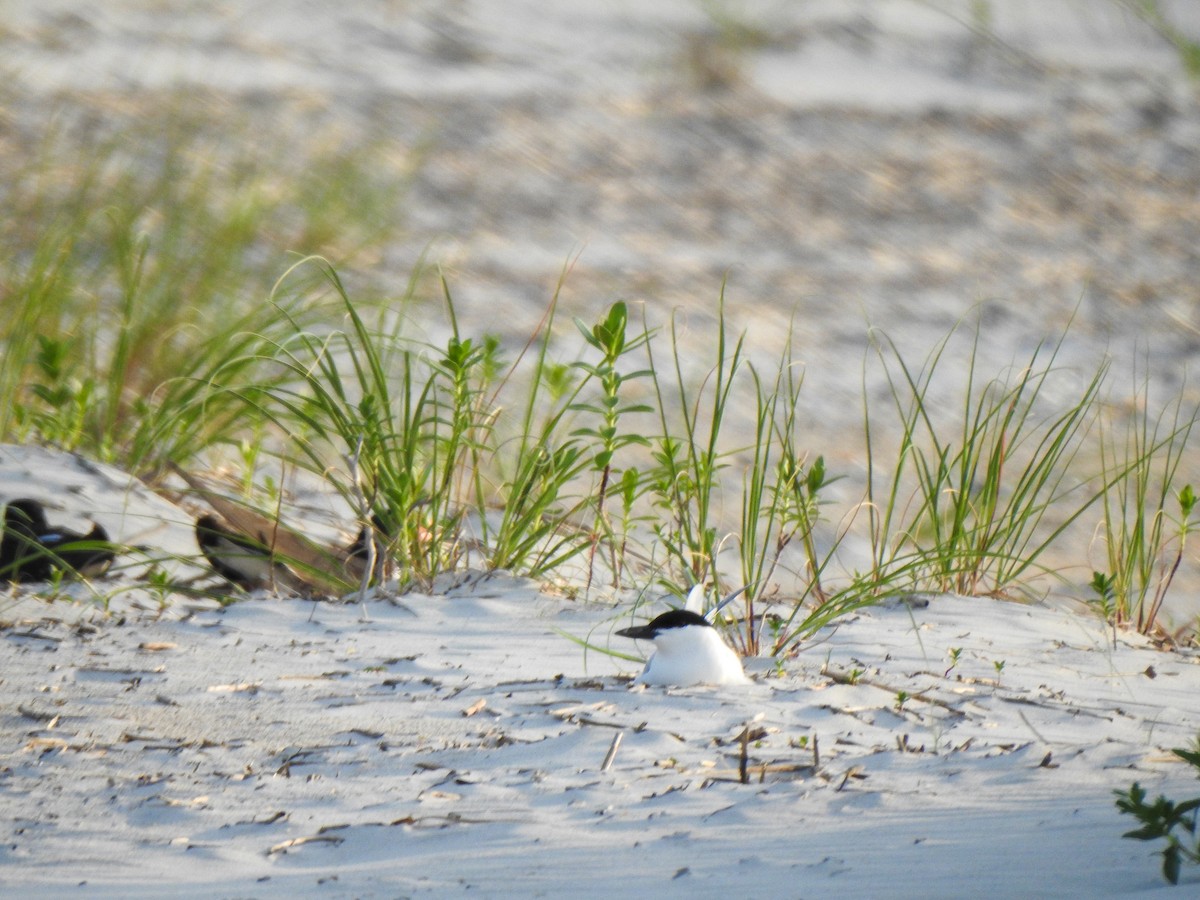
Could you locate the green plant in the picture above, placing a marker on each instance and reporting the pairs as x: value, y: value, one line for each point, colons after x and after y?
x: 536, y: 532
x: 955, y: 654
x: 536, y: 529
x: 160, y: 585
x: 1104, y: 591
x: 58, y: 409
x: 1104, y: 588
x: 1144, y: 545
x: 799, y: 517
x: 1165, y: 819
x: 968, y: 512
x: 137, y: 257
x: 415, y: 430
x: 780, y: 495
x: 610, y: 338
x: 632, y: 487
x: 780, y: 492
x: 684, y: 478
x: 387, y: 427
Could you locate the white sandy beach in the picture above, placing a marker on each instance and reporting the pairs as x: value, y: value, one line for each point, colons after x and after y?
x: 452, y: 742
x: 283, y: 747
x: 857, y: 165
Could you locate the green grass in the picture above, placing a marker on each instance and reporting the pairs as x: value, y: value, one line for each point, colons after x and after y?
x: 1147, y: 509
x: 137, y: 269
x: 387, y: 422
x: 151, y: 325
x: 973, y: 505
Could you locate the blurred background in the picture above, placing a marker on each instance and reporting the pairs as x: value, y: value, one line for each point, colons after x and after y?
x: 837, y: 166
x: 898, y: 163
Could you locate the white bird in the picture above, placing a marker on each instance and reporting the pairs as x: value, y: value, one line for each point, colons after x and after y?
x: 687, y: 650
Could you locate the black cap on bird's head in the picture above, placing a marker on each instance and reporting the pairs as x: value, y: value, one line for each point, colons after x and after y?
x: 27, y: 514
x: 675, y: 618
x: 30, y: 550
x: 208, y: 531
x: 236, y: 557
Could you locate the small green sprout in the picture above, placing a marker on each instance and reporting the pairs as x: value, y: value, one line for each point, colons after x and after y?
x: 955, y: 654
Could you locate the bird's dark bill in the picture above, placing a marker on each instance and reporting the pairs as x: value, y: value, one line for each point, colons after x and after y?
x: 638, y: 632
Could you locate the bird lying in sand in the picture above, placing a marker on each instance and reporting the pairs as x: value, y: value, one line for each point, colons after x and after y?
x: 240, y: 560
x: 687, y: 650
x: 31, y: 550
x: 247, y: 558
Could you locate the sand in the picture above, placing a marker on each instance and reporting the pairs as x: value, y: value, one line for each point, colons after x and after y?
x: 866, y: 163
x: 455, y: 740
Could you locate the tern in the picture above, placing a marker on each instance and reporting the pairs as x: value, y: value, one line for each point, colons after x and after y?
x: 687, y: 650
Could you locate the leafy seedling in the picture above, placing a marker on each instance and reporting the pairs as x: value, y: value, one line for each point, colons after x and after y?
x: 955, y: 654
x: 1165, y: 820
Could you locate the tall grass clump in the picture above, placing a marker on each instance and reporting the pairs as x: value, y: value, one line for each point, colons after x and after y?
x: 417, y: 438
x: 527, y: 518
x: 973, y: 505
x: 687, y: 453
x: 704, y: 465
x: 1147, y: 513
x: 386, y: 423
x: 555, y: 479
x: 136, y: 264
x: 782, y: 503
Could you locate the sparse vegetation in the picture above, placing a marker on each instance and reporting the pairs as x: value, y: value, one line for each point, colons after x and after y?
x: 1147, y: 514
x: 137, y: 266
x: 972, y: 506
x: 1167, y: 820
x: 146, y: 331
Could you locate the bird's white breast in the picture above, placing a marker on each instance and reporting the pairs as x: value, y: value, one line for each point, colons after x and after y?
x: 694, y: 654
